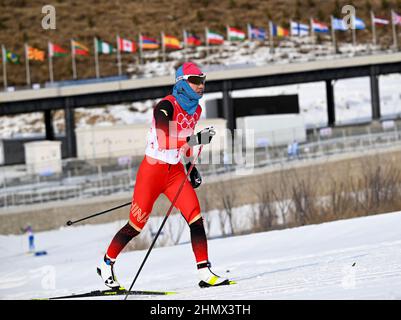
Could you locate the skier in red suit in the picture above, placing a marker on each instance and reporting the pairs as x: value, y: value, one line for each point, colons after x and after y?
x: 161, y: 171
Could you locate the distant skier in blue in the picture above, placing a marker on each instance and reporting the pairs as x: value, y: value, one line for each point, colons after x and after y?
x: 31, y: 238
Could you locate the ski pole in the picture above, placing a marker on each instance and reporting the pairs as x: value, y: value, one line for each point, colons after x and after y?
x: 69, y: 222
x: 164, y: 221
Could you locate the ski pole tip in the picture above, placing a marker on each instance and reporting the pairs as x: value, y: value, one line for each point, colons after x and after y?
x: 69, y: 223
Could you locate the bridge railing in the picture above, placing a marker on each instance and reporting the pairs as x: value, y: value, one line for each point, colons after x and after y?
x: 123, y: 180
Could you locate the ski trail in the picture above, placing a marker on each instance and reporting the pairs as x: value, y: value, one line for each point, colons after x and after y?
x: 348, y: 259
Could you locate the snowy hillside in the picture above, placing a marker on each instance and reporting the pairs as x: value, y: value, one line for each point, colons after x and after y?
x: 348, y: 259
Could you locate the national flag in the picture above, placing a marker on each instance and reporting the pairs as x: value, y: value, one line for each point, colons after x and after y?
x: 56, y: 51
x: 36, y: 54
x: 125, y: 45
x: 319, y: 26
x: 338, y: 24
x: 103, y: 47
x: 396, y: 18
x: 79, y: 48
x: 171, y: 42
x: 214, y: 38
x: 359, y: 24
x: 380, y: 21
x: 299, y: 29
x: 234, y: 34
x: 193, y: 40
x: 12, y: 57
x: 279, y: 31
x: 257, y: 33
x: 149, y: 43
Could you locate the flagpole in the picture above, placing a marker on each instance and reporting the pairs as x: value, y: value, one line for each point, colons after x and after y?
x: 3, y: 52
x: 353, y: 29
x: 228, y: 32
x: 333, y: 36
x: 185, y: 37
x: 119, y: 56
x: 74, y: 66
x: 271, y: 37
x: 372, y: 17
x: 96, y: 57
x: 140, y: 48
x: 312, y: 31
x: 163, y: 46
x: 207, y: 42
x: 50, y: 62
x: 136, y: 52
x: 248, y: 26
x: 222, y: 46
x: 28, y: 73
x: 394, y: 31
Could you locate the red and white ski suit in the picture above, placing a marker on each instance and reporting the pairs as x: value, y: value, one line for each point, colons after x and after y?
x: 161, y: 170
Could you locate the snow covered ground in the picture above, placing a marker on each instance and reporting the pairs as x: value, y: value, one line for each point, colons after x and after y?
x: 349, y: 259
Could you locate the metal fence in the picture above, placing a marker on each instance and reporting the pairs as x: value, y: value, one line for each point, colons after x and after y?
x: 110, y: 178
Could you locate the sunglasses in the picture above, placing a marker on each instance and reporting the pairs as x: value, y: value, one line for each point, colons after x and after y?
x: 195, y: 79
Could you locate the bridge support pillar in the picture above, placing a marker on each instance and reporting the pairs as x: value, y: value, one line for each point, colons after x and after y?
x: 228, y: 110
x: 331, y: 109
x: 49, y: 124
x: 70, y: 129
x: 375, y: 95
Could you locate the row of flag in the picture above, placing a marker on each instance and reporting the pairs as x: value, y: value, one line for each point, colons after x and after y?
x: 77, y: 48
x: 190, y: 39
x: 168, y: 42
x: 212, y: 37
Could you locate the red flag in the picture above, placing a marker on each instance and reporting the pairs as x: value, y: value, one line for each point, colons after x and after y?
x: 79, y: 48
x: 125, y: 45
x: 56, y: 51
x: 193, y: 40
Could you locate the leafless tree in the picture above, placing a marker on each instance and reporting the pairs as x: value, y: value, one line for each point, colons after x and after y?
x: 265, y: 210
x: 378, y: 188
x: 140, y: 242
x: 205, y: 203
x: 303, y: 196
x: 281, y: 195
x: 174, y: 228
x: 228, y: 201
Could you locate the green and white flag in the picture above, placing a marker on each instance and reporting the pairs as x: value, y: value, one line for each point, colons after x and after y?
x: 104, y: 47
x: 234, y: 34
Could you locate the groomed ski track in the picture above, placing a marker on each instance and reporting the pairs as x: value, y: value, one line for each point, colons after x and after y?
x: 357, y: 258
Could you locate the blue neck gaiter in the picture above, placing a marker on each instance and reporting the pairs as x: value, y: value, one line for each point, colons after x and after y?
x: 186, y: 97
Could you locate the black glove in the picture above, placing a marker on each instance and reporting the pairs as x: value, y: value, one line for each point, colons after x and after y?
x: 195, y: 176
x: 202, y: 137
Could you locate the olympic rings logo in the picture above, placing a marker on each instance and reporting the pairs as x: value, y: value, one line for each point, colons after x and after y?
x: 187, y: 122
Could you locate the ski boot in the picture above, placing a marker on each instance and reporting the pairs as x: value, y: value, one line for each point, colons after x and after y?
x: 106, y: 271
x: 208, y: 278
